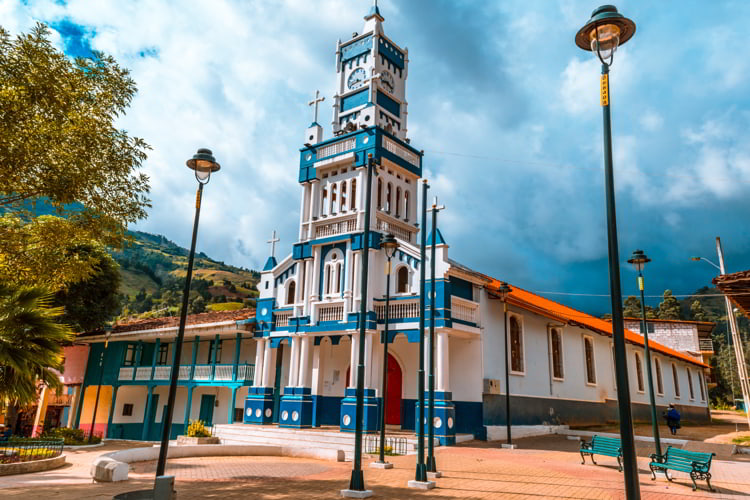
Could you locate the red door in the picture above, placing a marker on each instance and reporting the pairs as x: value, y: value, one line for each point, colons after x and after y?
x: 393, y: 398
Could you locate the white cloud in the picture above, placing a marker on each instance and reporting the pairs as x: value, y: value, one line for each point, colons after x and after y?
x: 652, y: 121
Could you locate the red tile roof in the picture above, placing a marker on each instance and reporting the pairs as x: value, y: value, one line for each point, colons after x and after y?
x: 174, y: 321
x: 553, y: 310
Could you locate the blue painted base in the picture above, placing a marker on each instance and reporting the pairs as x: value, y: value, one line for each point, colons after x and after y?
x: 326, y: 410
x: 444, y: 418
x: 371, y: 411
x: 259, y: 406
x: 296, y: 408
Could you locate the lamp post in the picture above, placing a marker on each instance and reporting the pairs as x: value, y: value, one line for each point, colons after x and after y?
x: 107, y: 334
x: 431, y: 465
x: 504, y: 291
x: 421, y: 473
x: 603, y: 33
x: 203, y: 164
x: 639, y: 261
x: 389, y: 245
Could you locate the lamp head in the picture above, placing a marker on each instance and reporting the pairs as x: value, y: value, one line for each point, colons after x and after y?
x: 604, y: 32
x: 204, y: 164
x: 639, y: 260
x: 389, y: 243
x: 504, y: 290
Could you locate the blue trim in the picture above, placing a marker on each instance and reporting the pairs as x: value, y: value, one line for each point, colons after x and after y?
x: 326, y: 410
x: 323, y: 254
x: 389, y: 104
x: 438, y: 237
x: 354, y: 101
x: 270, y: 264
x: 288, y: 273
x: 276, y: 341
x: 352, y: 50
x: 371, y: 414
x: 395, y: 56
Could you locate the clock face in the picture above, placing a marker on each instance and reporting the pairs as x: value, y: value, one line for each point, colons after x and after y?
x: 356, y: 79
x: 387, y: 80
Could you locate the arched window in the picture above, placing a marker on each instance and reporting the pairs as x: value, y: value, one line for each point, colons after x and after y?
x: 353, y: 195
x: 338, y: 278
x: 639, y: 371
x: 388, y: 198
x: 555, y: 339
x: 690, y: 384
x: 676, y: 381
x: 398, y: 202
x: 324, y: 201
x: 333, y: 198
x: 343, y: 197
x: 402, y: 280
x: 516, y: 345
x: 332, y: 276
x: 700, y: 384
x: 659, y: 379
x: 380, y: 194
x: 406, y: 205
x: 327, y: 285
x: 588, y: 350
x: 290, y: 292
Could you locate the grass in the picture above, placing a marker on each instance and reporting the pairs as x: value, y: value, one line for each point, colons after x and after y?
x: 132, y: 282
x: 741, y: 440
x: 225, y: 306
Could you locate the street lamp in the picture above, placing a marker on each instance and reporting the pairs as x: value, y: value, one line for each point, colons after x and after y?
x: 203, y: 164
x: 639, y: 261
x: 603, y: 33
x: 504, y: 291
x: 389, y: 245
x: 107, y: 334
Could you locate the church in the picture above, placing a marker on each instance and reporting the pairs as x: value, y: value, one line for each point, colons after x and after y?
x: 292, y: 363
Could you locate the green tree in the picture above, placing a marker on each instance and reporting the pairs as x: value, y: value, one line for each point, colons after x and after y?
x: 669, y: 308
x: 31, y: 340
x: 632, y: 307
x: 697, y: 312
x: 63, y: 155
x: 198, y: 305
x: 89, y: 304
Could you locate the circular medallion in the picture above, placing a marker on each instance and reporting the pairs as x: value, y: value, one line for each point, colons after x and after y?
x: 309, y: 156
x: 249, y: 412
x: 258, y: 413
x: 295, y: 416
x: 366, y: 139
x: 450, y: 422
x: 437, y: 422
x: 347, y: 419
x: 269, y: 412
x: 284, y: 415
x: 263, y: 311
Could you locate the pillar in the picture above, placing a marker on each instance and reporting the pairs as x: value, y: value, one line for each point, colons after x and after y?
x: 308, y: 287
x: 314, y: 194
x: 348, y: 269
x: 260, y: 347
x: 237, y: 346
x: 153, y: 358
x: 295, y: 410
x: 111, y: 411
x: 294, y: 362
x: 260, y: 398
x: 79, y: 406
x: 304, y: 363
x: 268, y: 364
x: 74, y: 406
x: 315, y: 282
x: 368, y: 358
x: 188, y: 407
x: 353, y: 360
x: 196, y: 345
x: 41, y: 412
x: 232, y: 403
x: 443, y: 362
x: 147, y: 414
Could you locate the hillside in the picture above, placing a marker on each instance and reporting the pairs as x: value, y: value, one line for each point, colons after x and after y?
x: 153, y: 270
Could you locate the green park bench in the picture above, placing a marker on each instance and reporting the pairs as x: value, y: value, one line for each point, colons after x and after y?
x: 599, y: 445
x: 697, y: 464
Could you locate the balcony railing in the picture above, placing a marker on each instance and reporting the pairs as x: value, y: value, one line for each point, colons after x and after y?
x: 400, y: 151
x: 464, y: 310
x: 706, y: 345
x: 398, y: 230
x: 337, y: 227
x: 201, y: 373
x: 336, y: 148
x: 282, y: 318
x: 398, y: 309
x: 60, y: 400
x: 331, y: 312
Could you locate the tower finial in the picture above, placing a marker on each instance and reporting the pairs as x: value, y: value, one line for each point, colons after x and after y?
x: 374, y: 11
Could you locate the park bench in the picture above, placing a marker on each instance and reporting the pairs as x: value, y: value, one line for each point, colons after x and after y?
x: 599, y: 445
x: 697, y: 464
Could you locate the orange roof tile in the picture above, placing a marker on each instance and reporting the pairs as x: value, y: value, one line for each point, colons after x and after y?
x: 554, y: 310
x: 174, y: 321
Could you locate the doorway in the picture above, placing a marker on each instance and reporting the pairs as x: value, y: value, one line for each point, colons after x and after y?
x: 393, y: 396
x: 206, y: 413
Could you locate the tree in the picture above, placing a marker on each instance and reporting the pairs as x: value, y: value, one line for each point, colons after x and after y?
x: 669, y: 308
x: 198, y: 305
x: 89, y: 304
x: 632, y: 307
x: 31, y: 340
x: 696, y: 310
x: 62, y: 155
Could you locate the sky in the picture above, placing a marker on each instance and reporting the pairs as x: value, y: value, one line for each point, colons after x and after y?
x: 504, y: 104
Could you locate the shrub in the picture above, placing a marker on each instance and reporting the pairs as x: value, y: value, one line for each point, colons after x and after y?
x: 72, y: 437
x: 197, y: 429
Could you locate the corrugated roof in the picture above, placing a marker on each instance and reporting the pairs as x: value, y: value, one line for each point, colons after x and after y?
x: 174, y: 321
x: 736, y: 286
x: 554, y: 310
x: 658, y: 320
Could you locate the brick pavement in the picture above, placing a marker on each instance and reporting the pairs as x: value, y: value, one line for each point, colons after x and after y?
x: 542, y: 468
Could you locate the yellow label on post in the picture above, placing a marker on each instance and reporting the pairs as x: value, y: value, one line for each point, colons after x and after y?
x: 388, y: 267
x: 640, y: 283
x: 198, y: 199
x: 605, y: 90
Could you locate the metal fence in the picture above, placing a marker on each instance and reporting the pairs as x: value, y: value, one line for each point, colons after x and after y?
x: 393, y: 445
x: 27, y: 450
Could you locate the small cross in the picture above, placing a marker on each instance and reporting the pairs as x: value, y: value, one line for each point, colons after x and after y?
x: 315, y: 103
x: 435, y: 207
x: 273, y: 242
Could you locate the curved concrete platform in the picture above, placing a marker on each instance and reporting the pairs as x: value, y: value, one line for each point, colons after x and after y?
x: 112, y: 467
x: 33, y: 466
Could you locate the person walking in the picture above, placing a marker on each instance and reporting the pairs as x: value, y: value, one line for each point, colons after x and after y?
x: 673, y: 419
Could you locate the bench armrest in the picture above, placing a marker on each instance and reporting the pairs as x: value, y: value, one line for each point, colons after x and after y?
x: 587, y: 445
x: 656, y: 458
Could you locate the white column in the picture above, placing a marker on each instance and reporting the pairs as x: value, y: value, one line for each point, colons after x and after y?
x: 317, y: 369
x: 260, y: 348
x: 294, y: 362
x: 304, y: 203
x: 368, y: 358
x: 353, y: 360
x: 356, y: 264
x: 375, y: 364
x: 348, y: 281
x: 443, y: 362
x: 299, y: 291
x: 268, y: 361
x: 314, y: 205
x: 304, y: 362
x: 315, y: 281
x: 73, y: 405
x: 308, y: 286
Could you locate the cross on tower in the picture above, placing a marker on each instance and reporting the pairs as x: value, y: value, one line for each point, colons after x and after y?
x: 435, y: 206
x: 273, y: 242
x: 315, y: 103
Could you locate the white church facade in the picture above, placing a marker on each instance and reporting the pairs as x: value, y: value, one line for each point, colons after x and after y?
x: 293, y: 363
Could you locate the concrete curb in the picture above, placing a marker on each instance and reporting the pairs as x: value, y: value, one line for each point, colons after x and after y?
x: 33, y: 466
x: 112, y: 467
x: 571, y: 432
x: 83, y: 446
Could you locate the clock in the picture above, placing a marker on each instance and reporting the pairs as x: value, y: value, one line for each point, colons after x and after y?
x: 356, y: 79
x: 387, y: 81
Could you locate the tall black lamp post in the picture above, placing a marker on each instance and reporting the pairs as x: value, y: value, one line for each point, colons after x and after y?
x: 504, y: 290
x: 107, y: 333
x: 639, y: 261
x: 389, y: 245
x: 603, y: 33
x: 203, y: 164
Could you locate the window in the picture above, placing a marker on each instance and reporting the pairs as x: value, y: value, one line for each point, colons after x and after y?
x: 659, y: 379
x: 402, y: 280
x: 333, y: 199
x: 649, y: 327
x: 338, y: 278
x: 162, y: 354
x: 700, y: 385
x: 639, y: 371
x: 327, y: 287
x: 690, y: 384
x: 211, y: 347
x: 676, y: 381
x: 380, y: 194
x: 406, y: 205
x: 516, y: 346
x: 588, y: 349
x: 398, y: 202
x: 129, y: 359
x: 353, y: 195
x: 555, y: 341
x: 324, y: 201
x: 127, y: 410
x: 343, y: 197
x: 291, y: 289
x: 388, y: 195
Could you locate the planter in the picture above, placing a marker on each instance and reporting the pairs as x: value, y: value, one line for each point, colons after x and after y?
x: 184, y: 440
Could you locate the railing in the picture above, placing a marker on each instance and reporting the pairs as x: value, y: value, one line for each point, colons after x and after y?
x: 126, y: 373
x: 397, y: 230
x: 338, y: 227
x: 203, y: 372
x: 184, y: 372
x: 246, y: 372
x: 336, y: 148
x: 464, y: 310
x: 143, y: 373
x: 282, y: 318
x: 398, y: 309
x: 162, y: 372
x: 27, y: 450
x: 223, y: 372
x: 706, y: 345
x: 333, y: 312
x: 220, y: 372
x: 400, y: 151
x: 60, y: 400
x: 393, y: 445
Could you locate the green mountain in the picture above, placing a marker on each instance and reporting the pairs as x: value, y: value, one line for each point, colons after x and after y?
x: 153, y: 270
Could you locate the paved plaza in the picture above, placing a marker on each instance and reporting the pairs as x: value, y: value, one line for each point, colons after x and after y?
x: 547, y: 467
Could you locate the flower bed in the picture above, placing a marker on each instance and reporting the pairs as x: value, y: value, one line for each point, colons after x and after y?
x: 27, y: 450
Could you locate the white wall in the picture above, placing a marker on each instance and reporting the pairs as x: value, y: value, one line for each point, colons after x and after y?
x: 130, y: 394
